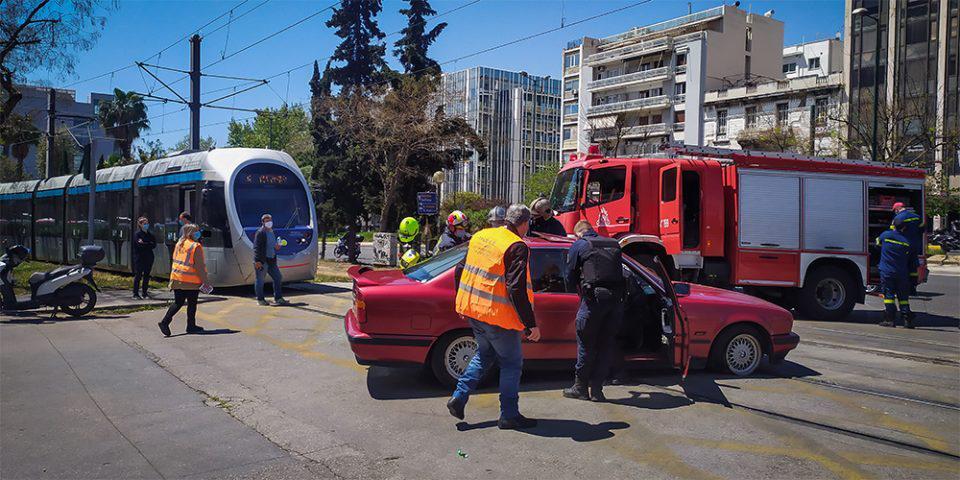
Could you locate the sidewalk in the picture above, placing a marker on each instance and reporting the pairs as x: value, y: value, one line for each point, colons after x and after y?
x: 78, y: 402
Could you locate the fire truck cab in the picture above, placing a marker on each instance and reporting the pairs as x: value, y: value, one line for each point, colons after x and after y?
x: 796, y: 230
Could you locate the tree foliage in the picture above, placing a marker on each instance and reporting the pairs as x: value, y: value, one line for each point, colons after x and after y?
x: 18, y: 134
x: 474, y: 206
x: 124, y: 117
x: 412, y: 47
x: 64, y: 151
x: 43, y: 35
x: 286, y: 128
x: 207, y: 143
x: 540, y: 184
x: 360, y: 55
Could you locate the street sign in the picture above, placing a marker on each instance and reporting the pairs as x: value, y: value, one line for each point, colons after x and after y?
x: 427, y: 203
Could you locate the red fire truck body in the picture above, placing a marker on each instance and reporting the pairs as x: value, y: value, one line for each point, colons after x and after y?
x: 796, y: 230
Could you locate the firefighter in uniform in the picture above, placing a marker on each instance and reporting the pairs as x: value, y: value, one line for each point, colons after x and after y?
x: 408, y: 235
x: 496, y: 297
x: 455, y: 234
x: 895, y: 264
x: 595, y: 268
x: 913, y: 230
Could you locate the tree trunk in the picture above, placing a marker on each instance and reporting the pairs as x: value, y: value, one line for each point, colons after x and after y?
x: 389, y: 198
x: 13, y: 96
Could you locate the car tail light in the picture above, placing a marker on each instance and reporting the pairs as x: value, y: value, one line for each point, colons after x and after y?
x: 359, y: 306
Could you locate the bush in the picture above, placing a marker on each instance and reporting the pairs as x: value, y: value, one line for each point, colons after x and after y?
x: 472, y: 205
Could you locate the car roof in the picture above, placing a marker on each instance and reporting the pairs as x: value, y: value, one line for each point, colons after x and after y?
x: 540, y: 240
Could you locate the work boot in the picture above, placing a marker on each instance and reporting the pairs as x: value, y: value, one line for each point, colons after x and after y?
x: 596, y: 393
x: 455, y: 407
x: 194, y: 329
x: 887, y: 319
x: 578, y: 390
x: 164, y: 329
x: 516, y: 423
x: 908, y: 320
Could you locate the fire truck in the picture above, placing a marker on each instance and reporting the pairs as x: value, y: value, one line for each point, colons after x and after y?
x: 796, y: 230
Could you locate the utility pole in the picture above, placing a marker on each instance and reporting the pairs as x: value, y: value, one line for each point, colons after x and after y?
x: 51, y: 129
x: 92, y: 201
x: 195, y: 92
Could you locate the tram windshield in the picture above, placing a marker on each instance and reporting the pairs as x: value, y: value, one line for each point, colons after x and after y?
x: 270, y: 188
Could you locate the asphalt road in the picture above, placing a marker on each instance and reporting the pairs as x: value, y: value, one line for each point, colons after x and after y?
x: 277, y: 393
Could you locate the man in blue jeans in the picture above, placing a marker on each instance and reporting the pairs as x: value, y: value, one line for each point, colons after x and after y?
x: 496, y: 298
x: 265, y: 248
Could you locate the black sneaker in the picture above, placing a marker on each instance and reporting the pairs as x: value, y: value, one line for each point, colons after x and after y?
x: 262, y: 302
x: 455, y: 407
x: 136, y: 296
x: 596, y: 395
x: 886, y: 323
x: 281, y: 301
x: 516, y: 423
x: 194, y: 329
x: 165, y: 329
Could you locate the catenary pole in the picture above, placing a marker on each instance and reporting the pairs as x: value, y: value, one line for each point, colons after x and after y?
x: 195, y: 92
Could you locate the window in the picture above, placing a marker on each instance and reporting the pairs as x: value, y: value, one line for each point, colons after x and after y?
x: 814, y: 63
x: 668, y: 185
x: 571, y: 60
x: 680, y: 88
x: 790, y: 67
x: 262, y: 188
x: 681, y: 59
x: 546, y: 270
x: 571, y: 85
x: 566, y: 190
x: 655, y: 119
x: 746, y: 66
x: 751, y: 117
x: 820, y: 108
x: 783, y: 115
x: 721, y: 123
x: 567, y: 133
x: 434, y: 266
x: 680, y: 117
x: 570, y: 109
x: 606, y: 185
x: 691, y: 209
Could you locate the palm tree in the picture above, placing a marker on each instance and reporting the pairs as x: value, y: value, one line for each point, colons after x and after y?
x: 124, y: 118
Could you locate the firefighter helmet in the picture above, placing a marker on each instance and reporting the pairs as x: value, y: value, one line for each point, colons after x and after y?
x: 457, y: 219
x: 409, y: 228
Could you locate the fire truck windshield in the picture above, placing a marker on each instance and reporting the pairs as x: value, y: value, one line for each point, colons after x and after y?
x: 566, y: 192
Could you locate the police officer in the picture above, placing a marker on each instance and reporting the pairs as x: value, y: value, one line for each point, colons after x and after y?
x: 913, y: 230
x: 455, y: 234
x: 543, y: 220
x: 595, y: 268
x: 895, y: 252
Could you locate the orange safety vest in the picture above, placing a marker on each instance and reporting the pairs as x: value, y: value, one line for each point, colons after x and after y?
x: 483, y: 286
x: 183, y: 268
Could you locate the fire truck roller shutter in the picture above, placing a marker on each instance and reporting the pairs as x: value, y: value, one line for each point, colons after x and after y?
x: 833, y: 215
x: 769, y: 211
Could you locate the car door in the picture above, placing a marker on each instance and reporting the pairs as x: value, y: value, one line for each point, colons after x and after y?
x: 553, y: 306
x: 671, y: 218
x: 607, y: 198
x: 674, y: 321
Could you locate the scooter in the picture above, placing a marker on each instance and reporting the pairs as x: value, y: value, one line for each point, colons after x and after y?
x: 348, y: 249
x: 70, y: 288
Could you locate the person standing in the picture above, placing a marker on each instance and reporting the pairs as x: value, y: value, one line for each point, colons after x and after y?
x: 143, y: 245
x: 496, y: 298
x: 595, y: 268
x: 265, y: 248
x: 455, y: 234
x: 188, y: 275
x: 183, y: 219
x: 496, y: 216
x: 913, y: 230
x: 543, y: 219
x: 895, y: 264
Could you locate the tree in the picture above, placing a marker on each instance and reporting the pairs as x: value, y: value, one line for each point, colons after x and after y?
x: 540, y: 184
x: 360, y: 52
x: 152, y: 150
x: 412, y: 47
x: 474, y: 206
x: 64, y: 151
x: 19, y: 134
x: 208, y: 143
x: 775, y: 139
x: 286, y: 128
x: 397, y: 137
x: 8, y: 170
x: 40, y: 34
x: 123, y: 118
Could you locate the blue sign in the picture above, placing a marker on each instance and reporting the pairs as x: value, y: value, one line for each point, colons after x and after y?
x: 427, y: 203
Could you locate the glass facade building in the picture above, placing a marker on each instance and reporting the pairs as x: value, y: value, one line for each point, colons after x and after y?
x: 518, y: 117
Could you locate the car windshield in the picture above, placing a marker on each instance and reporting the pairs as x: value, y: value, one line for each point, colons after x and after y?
x: 436, y: 265
x: 566, y: 190
x: 262, y: 188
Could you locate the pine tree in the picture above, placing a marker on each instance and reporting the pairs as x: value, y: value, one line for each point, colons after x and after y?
x: 412, y: 47
x: 360, y: 53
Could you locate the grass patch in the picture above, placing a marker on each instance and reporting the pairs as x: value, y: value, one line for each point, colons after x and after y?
x: 105, y: 280
x: 335, y: 237
x: 132, y: 309
x: 333, y: 271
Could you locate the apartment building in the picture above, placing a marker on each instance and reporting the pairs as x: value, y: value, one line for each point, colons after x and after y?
x: 518, y: 117
x: 632, y: 91
x: 913, y: 71
x: 779, y: 114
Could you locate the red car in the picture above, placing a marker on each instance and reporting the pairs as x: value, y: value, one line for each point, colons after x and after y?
x: 407, y: 317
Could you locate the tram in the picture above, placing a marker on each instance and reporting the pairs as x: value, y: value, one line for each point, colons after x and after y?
x: 225, y: 190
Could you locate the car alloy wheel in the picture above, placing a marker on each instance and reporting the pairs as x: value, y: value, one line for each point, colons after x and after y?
x: 458, y: 355
x: 743, y: 354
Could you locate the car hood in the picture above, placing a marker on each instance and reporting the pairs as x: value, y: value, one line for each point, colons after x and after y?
x: 713, y: 295
x: 367, y: 277
x: 710, y: 302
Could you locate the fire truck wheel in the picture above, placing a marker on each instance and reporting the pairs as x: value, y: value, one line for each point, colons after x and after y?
x: 827, y: 294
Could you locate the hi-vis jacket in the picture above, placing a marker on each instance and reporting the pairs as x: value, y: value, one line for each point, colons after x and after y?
x: 184, y: 269
x: 483, y: 294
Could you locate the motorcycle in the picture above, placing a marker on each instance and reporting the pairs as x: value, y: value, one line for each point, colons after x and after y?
x: 947, y: 238
x: 348, y: 249
x: 70, y: 288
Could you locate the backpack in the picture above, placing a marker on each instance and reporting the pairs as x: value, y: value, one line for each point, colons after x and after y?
x: 602, y: 264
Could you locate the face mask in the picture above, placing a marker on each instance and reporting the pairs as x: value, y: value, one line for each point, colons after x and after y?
x: 179, y: 221
x: 460, y: 233
x: 268, y: 224
x: 145, y: 227
x: 196, y: 235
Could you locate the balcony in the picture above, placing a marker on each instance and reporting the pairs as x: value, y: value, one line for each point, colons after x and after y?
x: 636, y: 77
x: 570, y: 94
x: 679, y: 126
x: 574, y: 70
x: 680, y: 98
x: 649, y: 46
x: 685, y: 20
x: 646, y: 130
x: 570, y: 144
x: 628, y: 105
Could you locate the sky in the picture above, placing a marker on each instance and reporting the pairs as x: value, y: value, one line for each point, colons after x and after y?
x: 137, y: 29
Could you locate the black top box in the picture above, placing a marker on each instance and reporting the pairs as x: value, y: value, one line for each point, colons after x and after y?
x: 91, y: 254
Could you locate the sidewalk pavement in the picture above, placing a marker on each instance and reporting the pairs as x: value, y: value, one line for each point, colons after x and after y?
x: 79, y: 402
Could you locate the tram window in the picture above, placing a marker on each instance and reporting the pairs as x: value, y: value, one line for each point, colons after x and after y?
x: 213, y: 209
x: 77, y: 207
x: 161, y: 205
x: 49, y: 216
x: 268, y: 188
x: 16, y: 217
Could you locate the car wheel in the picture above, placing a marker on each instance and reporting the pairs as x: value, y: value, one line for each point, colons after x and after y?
x: 87, y: 300
x: 827, y: 294
x: 451, y: 356
x: 737, y: 351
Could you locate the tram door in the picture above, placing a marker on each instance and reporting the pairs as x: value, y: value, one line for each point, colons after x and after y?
x: 188, y: 202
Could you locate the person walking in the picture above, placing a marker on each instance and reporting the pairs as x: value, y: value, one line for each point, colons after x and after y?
x: 496, y: 298
x: 595, y: 268
x: 543, y: 219
x: 913, y: 230
x: 143, y: 245
x: 188, y: 275
x: 895, y: 264
x: 455, y: 234
x: 265, y: 248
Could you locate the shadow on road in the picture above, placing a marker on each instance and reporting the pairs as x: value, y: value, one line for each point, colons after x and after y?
x: 216, y: 331
x: 922, y: 320
x: 575, y: 430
